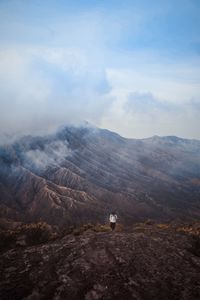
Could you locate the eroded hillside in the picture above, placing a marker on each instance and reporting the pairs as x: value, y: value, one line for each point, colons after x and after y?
x: 81, y: 174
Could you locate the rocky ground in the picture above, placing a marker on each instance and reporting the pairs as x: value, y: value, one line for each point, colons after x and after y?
x: 144, y: 262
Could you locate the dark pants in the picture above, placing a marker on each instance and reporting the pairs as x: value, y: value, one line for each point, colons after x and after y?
x: 112, y: 225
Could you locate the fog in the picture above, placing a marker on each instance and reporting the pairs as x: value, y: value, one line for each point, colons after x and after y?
x: 117, y: 67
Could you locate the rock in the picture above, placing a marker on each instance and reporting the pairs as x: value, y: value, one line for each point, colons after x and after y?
x: 95, y: 266
x: 21, y: 240
x: 10, y: 269
x: 34, y: 296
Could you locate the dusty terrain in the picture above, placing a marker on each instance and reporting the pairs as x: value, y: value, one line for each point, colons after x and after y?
x: 143, y: 262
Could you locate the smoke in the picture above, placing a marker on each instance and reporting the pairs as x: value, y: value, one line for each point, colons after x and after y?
x: 53, y: 154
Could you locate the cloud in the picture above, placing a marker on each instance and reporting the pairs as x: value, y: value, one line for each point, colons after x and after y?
x: 142, y: 115
x: 116, y: 64
x: 43, y: 88
x: 145, y: 103
x: 169, y: 81
x: 52, y: 73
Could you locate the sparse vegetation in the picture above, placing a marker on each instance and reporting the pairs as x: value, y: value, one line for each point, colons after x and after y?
x: 94, y: 227
x: 36, y: 233
x: 101, y: 228
x: 192, y: 229
x: 26, y: 235
x: 163, y: 226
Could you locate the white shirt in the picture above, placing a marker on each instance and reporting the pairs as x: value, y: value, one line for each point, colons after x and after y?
x: 113, y: 218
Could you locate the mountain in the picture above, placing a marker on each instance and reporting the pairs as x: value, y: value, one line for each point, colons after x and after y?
x: 80, y: 174
x: 147, y: 262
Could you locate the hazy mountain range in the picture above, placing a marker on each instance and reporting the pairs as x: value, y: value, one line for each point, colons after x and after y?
x: 80, y: 174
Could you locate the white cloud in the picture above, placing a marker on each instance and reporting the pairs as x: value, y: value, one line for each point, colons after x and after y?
x: 171, y: 83
x: 142, y: 115
x: 78, y: 64
x: 43, y: 88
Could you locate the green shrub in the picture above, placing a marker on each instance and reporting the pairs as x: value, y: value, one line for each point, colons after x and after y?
x: 88, y: 226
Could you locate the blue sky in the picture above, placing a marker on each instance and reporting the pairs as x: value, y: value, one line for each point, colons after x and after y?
x: 129, y: 66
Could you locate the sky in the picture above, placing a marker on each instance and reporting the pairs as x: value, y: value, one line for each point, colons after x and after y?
x: 132, y: 67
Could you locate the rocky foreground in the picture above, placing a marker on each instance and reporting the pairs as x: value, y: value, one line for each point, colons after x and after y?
x: 144, y: 262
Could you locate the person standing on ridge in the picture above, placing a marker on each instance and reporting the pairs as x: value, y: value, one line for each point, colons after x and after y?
x: 113, y: 220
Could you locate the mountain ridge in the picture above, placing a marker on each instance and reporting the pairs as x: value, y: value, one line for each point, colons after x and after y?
x: 155, y: 177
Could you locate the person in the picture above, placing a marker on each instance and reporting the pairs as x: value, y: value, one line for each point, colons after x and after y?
x: 113, y: 220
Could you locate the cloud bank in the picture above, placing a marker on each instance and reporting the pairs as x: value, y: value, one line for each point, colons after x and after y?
x: 131, y: 67
x: 44, y: 88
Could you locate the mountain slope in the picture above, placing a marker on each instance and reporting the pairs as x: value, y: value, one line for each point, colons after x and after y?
x: 80, y: 174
